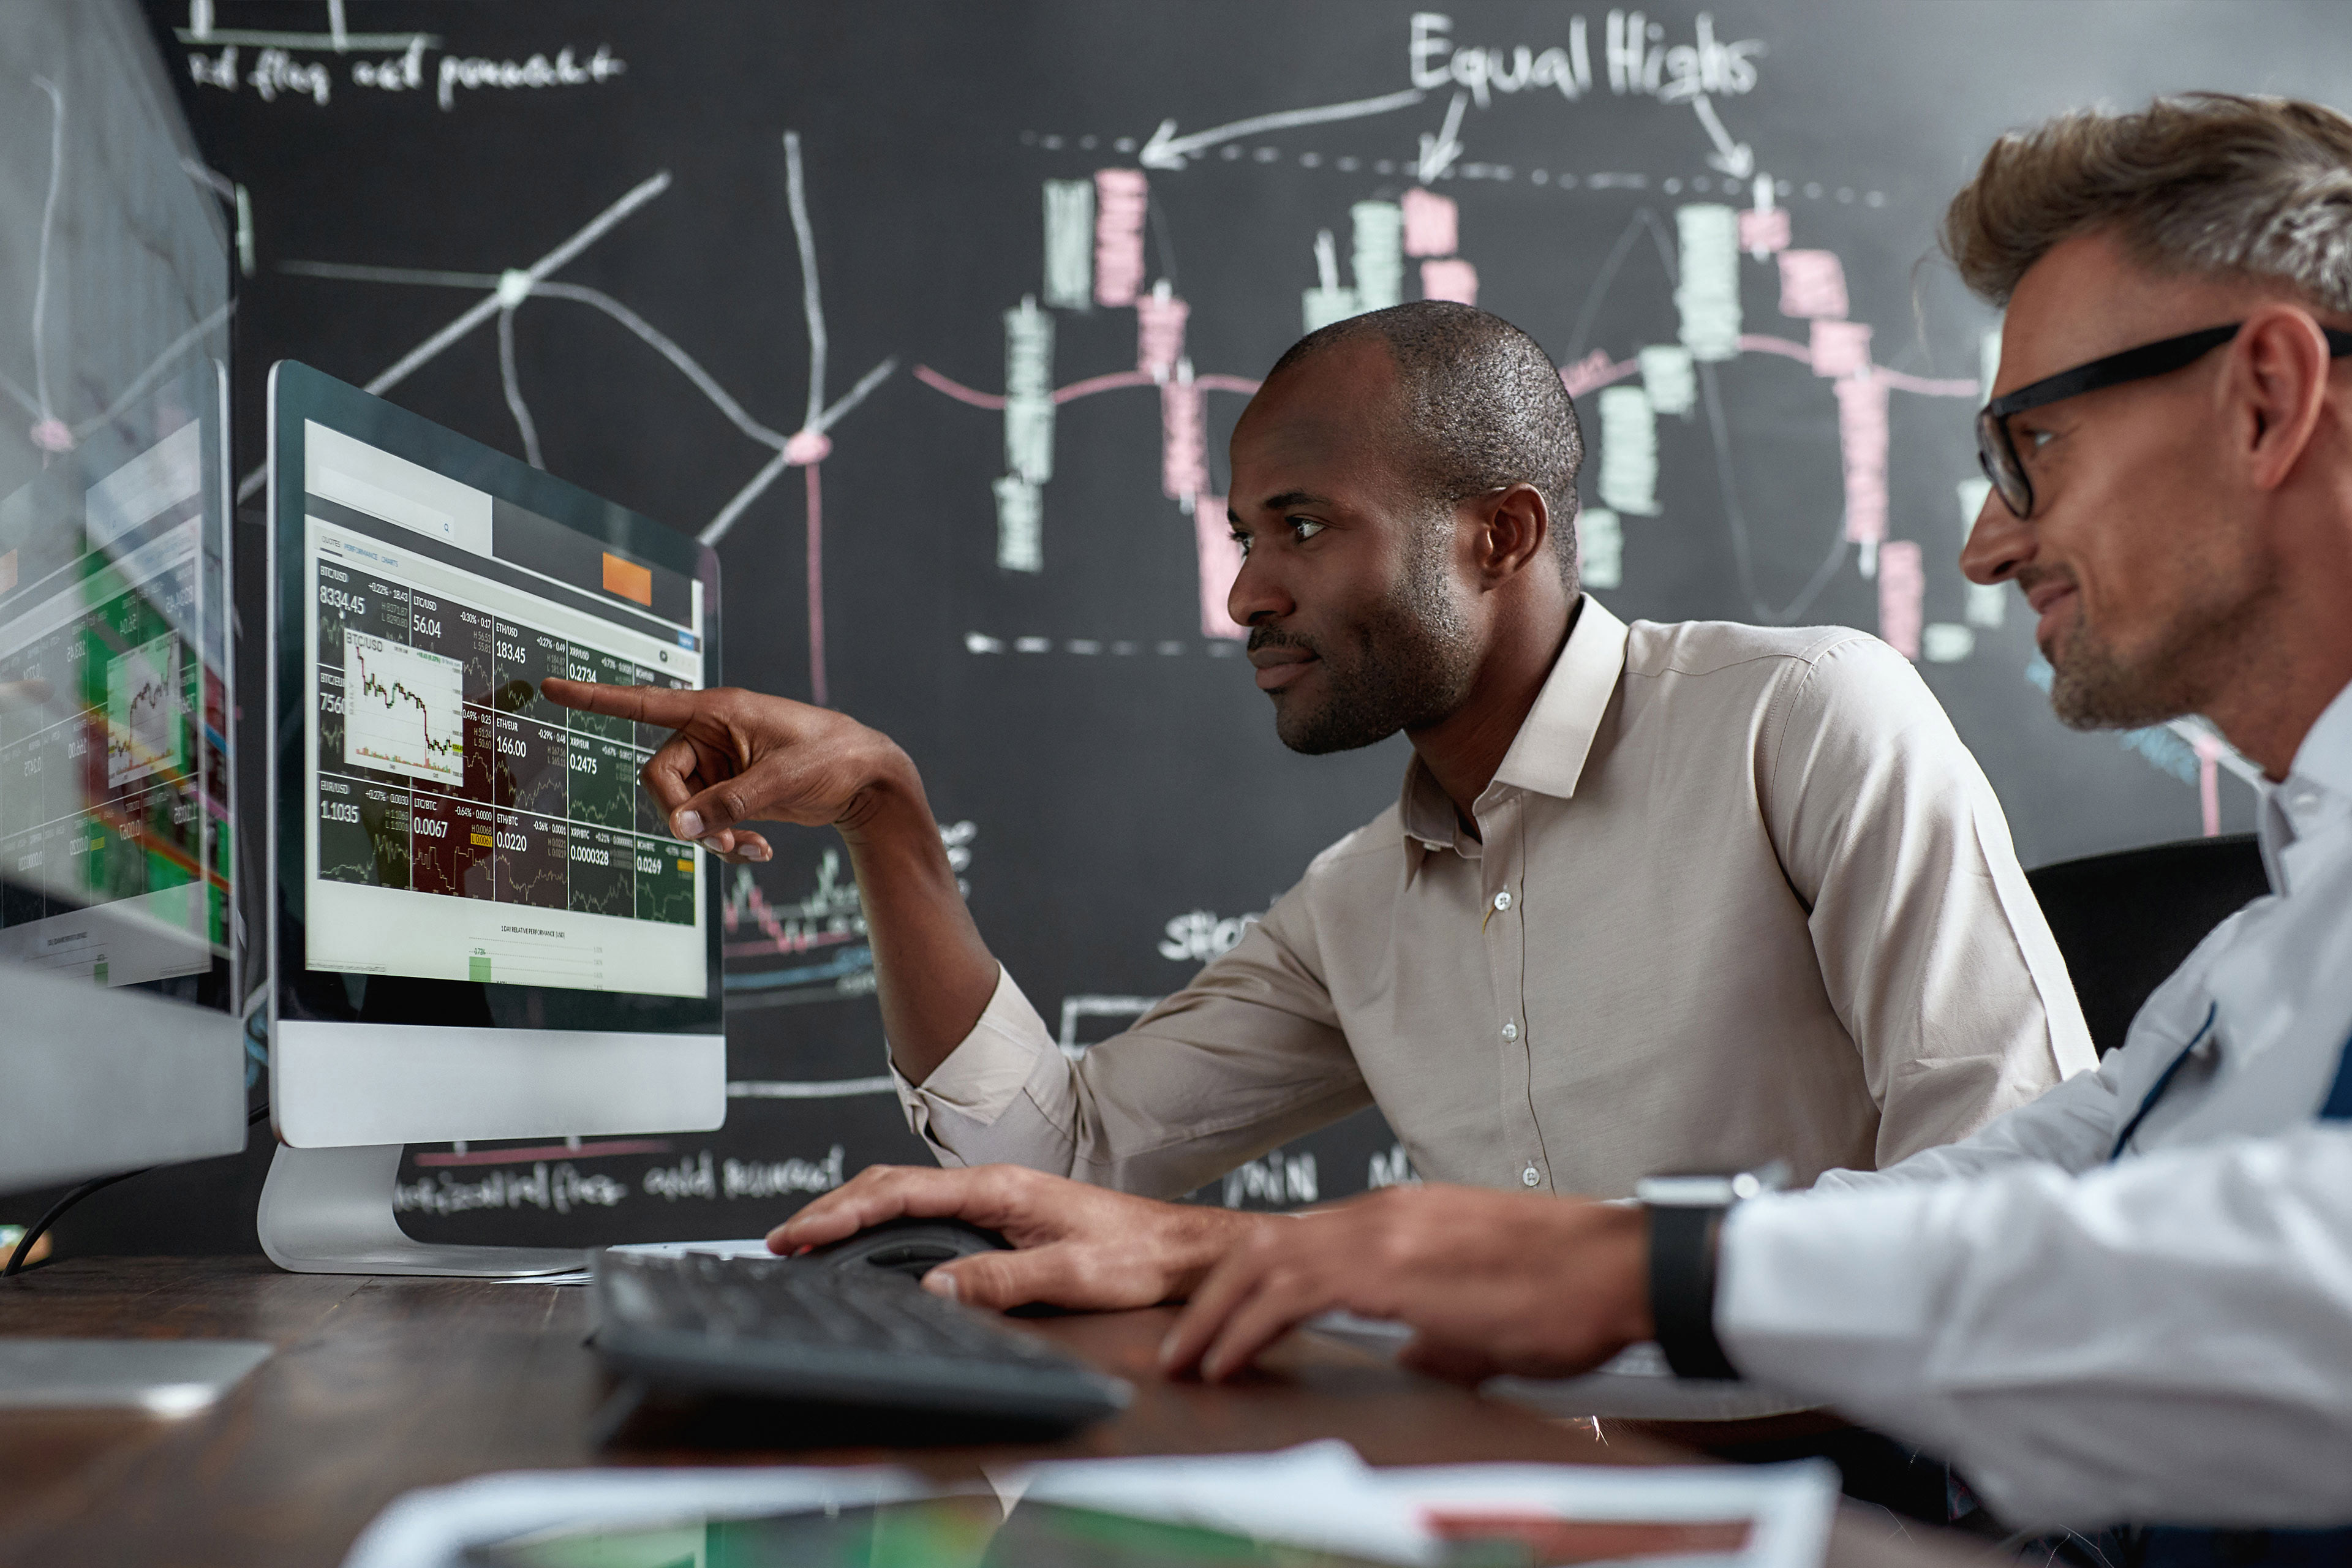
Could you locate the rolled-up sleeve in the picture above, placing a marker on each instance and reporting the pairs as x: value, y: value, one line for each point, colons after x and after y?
x: 1932, y: 948
x: 1247, y: 1056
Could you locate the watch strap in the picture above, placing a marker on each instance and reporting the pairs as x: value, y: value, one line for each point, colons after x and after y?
x: 1682, y: 1288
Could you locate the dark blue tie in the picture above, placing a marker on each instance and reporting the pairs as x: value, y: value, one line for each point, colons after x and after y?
x: 2337, y: 1106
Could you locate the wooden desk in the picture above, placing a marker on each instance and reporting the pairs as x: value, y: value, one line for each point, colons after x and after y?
x: 382, y: 1385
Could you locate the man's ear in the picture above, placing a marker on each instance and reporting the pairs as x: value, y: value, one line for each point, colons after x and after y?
x: 1515, y: 530
x: 2277, y: 377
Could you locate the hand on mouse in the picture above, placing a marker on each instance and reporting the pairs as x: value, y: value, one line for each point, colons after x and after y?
x: 1076, y: 1246
x: 738, y: 755
x: 1492, y: 1282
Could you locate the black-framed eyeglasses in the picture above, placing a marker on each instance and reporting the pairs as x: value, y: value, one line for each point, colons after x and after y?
x: 1998, y: 454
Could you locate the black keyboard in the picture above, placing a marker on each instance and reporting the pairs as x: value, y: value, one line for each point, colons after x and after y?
x: 789, y: 1329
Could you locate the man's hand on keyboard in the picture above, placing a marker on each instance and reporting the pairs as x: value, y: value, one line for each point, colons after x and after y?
x: 1076, y: 1246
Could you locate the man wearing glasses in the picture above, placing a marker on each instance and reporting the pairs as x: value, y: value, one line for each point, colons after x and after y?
x: 2131, y: 1298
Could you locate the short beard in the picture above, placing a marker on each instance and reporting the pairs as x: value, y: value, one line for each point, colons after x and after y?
x: 2091, y: 687
x: 1413, y: 664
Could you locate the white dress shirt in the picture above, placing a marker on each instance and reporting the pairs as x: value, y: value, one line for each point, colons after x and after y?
x: 2165, y: 1336
x: 1736, y: 892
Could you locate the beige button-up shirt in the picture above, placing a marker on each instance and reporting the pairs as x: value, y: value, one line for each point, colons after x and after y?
x: 1736, y: 893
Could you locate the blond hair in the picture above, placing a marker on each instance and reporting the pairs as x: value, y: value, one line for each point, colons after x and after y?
x: 2204, y: 183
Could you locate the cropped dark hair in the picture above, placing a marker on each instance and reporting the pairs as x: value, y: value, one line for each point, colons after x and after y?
x: 1483, y: 406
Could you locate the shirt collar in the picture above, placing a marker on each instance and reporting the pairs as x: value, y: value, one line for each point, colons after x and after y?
x: 2316, y: 790
x: 1547, y: 756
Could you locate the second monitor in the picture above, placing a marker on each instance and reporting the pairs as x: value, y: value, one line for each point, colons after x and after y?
x: 483, y: 926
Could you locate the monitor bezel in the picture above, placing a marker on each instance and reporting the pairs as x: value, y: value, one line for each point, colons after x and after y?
x: 298, y: 393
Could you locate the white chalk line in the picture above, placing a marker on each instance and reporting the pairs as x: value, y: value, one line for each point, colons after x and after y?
x: 1165, y: 150
x: 716, y: 529
x: 263, y: 39
x: 49, y: 226
x: 512, y: 385
x: 660, y: 343
x: 484, y: 309
x: 830, y: 1089
x: 155, y: 368
x: 24, y: 398
x: 1439, y: 152
x: 220, y: 185
x: 349, y: 272
x: 1737, y: 521
x: 856, y: 394
x: 37, y: 401
x: 796, y: 199
x: 596, y: 230
x: 820, y: 418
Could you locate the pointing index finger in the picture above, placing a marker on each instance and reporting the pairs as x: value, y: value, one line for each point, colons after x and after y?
x: 662, y: 705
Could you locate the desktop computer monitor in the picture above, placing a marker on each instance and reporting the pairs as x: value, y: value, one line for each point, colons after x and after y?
x: 118, y: 918
x: 482, y: 925
x: 121, y: 1040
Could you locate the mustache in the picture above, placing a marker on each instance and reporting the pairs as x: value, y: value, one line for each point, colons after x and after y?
x: 1275, y: 637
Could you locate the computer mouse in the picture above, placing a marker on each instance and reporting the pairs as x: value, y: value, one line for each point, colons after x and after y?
x: 910, y: 1246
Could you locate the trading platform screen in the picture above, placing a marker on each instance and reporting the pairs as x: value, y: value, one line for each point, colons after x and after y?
x: 462, y: 826
x: 115, y: 849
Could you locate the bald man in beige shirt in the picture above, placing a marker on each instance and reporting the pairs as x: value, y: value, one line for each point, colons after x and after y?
x: 1654, y: 896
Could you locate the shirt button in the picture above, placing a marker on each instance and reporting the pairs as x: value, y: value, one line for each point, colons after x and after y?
x: 1503, y: 899
x: 1511, y: 1030
x: 1530, y: 1177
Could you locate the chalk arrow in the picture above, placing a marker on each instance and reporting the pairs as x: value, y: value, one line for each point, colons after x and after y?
x: 1438, y: 152
x: 1166, y: 149
x: 1734, y: 158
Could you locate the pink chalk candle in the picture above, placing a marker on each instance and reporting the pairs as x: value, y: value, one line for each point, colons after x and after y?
x: 1158, y: 333
x: 1840, y: 348
x: 1221, y: 562
x: 1764, y: 233
x: 1902, y: 588
x: 1862, y: 440
x: 1184, y: 440
x: 1453, y: 279
x: 1812, y: 283
x: 1120, y: 196
x: 1430, y: 224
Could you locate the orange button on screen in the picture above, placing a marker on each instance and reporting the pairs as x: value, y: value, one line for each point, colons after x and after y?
x: 629, y: 580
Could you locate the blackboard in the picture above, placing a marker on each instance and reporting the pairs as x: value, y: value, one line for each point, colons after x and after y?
x: 937, y: 317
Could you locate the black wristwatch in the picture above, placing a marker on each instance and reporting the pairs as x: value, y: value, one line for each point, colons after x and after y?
x: 1687, y: 1210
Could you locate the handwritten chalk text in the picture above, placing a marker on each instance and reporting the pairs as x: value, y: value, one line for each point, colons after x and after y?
x: 1635, y: 55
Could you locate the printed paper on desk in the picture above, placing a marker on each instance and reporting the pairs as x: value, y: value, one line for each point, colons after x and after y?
x: 1747, y: 1516
x: 434, y: 1528
x: 1320, y: 1494
x: 1324, y: 1496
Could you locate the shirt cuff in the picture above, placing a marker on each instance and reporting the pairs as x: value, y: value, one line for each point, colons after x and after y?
x: 1832, y: 1294
x: 982, y: 1077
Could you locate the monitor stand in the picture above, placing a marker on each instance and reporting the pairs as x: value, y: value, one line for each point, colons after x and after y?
x: 329, y: 1211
